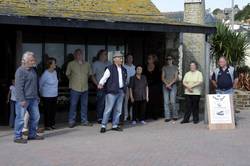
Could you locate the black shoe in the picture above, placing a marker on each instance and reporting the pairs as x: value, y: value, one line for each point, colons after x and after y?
x: 167, y: 120
x: 195, y: 122
x: 47, y: 128
x: 117, y: 129
x: 21, y: 141
x: 37, y: 137
x: 72, y: 125
x: 103, y: 130
x: 175, y: 119
x: 87, y: 124
x: 184, y: 121
x: 99, y: 121
x: 53, y: 127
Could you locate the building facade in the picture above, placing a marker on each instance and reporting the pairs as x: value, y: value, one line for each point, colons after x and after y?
x: 56, y: 28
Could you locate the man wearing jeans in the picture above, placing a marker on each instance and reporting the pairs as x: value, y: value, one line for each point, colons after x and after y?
x: 114, y: 79
x: 169, y: 78
x: 78, y: 72
x: 98, y: 69
x: 224, y: 78
x: 27, y: 98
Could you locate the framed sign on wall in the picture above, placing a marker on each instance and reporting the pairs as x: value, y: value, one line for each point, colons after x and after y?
x: 220, y: 111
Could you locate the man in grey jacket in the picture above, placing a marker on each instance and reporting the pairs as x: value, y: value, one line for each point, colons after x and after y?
x: 27, y: 98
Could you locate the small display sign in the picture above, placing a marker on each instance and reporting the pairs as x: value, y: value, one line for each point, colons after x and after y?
x: 220, y: 111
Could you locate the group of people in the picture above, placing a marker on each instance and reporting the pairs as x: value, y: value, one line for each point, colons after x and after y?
x: 120, y: 88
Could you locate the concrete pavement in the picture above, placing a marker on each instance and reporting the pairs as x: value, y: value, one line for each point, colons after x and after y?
x: 155, y: 144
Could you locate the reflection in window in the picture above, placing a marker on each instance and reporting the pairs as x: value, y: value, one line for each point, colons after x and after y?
x: 72, y: 47
x: 93, y: 50
x: 111, y: 50
x: 55, y: 50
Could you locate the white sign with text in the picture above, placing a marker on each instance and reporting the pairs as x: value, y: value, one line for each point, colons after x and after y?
x: 220, y: 109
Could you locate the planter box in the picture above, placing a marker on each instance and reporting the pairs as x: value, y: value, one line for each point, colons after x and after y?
x: 242, y: 100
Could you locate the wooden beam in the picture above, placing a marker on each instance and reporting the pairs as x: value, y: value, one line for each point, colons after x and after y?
x: 94, y: 24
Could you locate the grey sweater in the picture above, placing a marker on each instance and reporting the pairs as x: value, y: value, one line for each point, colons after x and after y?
x: 26, y: 84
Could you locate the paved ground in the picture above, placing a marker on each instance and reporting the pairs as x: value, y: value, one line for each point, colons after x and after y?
x: 154, y: 144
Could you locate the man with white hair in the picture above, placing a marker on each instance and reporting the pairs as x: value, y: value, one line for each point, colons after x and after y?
x: 224, y: 78
x: 27, y: 98
x: 114, y: 81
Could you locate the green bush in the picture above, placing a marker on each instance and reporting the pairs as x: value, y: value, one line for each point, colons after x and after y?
x: 230, y: 44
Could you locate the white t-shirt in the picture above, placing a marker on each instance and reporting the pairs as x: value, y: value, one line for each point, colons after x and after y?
x: 106, y: 75
x: 12, y: 93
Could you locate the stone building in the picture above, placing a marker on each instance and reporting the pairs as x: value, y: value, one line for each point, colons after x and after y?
x: 55, y: 28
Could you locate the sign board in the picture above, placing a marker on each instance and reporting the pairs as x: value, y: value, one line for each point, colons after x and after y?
x: 193, y: 1
x: 220, y: 111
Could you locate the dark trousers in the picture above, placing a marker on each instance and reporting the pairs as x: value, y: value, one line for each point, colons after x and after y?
x: 50, y: 107
x: 12, y: 113
x: 100, y: 103
x: 152, y: 111
x: 139, y: 108
x: 192, y: 103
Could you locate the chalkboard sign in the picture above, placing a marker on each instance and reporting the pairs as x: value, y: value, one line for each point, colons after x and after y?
x: 220, y: 111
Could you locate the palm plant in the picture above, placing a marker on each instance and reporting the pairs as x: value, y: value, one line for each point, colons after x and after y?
x: 230, y: 44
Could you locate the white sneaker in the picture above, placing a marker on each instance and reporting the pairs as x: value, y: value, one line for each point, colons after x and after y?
x: 143, y: 122
x: 134, y: 123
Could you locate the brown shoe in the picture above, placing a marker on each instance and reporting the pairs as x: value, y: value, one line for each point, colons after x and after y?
x: 40, y: 130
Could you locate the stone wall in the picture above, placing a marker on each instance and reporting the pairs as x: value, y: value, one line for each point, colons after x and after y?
x: 194, y: 44
x: 242, y: 100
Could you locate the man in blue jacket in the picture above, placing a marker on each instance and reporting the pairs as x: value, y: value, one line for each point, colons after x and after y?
x: 224, y: 78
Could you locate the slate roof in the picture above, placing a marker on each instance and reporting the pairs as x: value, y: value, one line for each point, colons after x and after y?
x: 105, y: 10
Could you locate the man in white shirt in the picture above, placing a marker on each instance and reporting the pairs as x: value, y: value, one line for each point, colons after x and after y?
x: 114, y: 81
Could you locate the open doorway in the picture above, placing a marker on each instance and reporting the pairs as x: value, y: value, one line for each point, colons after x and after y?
x: 7, y: 70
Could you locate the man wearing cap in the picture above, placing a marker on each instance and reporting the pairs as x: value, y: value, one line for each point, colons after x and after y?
x: 114, y: 81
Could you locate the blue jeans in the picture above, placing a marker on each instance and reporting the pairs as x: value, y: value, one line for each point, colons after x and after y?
x: 12, y: 113
x: 32, y: 108
x: 74, y: 98
x: 100, y: 103
x: 229, y: 91
x: 113, y: 102
x: 170, y: 98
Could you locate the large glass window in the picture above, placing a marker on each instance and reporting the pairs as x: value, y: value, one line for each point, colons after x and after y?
x: 115, y: 43
x: 72, y: 47
x: 93, y: 50
x: 96, y: 42
x: 55, y: 50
